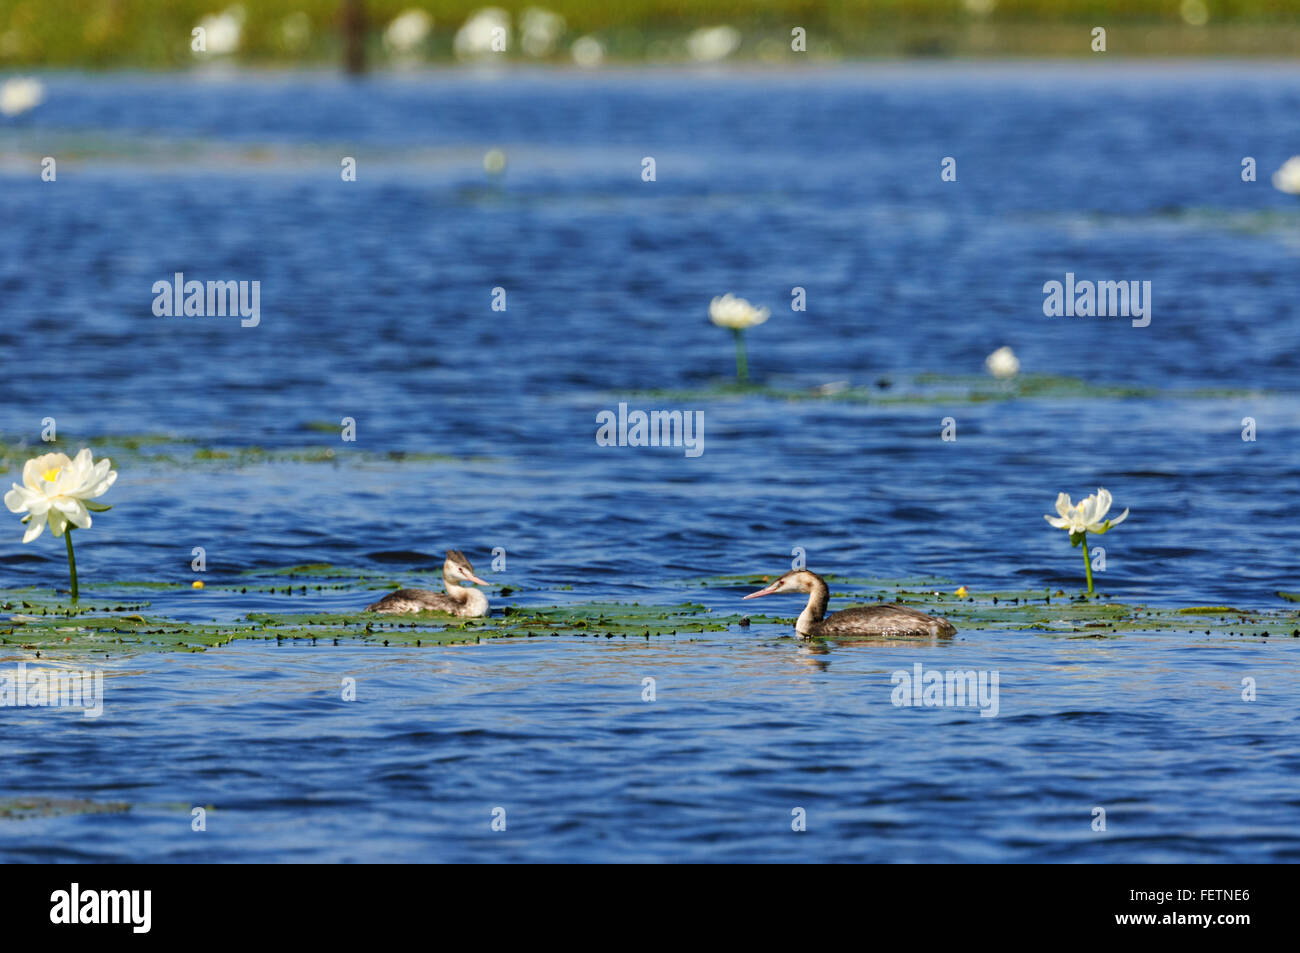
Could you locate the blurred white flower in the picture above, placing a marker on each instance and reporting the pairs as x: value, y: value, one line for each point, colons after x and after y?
x: 737, y: 314
x: 1087, y: 515
x: 541, y: 30
x: 222, y: 30
x: 475, y: 37
x: 980, y: 8
x: 732, y: 312
x: 20, y: 94
x: 407, y: 31
x: 1003, y: 363
x: 494, y: 162
x: 712, y: 43
x: 1287, y: 178
x: 55, y: 490
x: 587, y: 51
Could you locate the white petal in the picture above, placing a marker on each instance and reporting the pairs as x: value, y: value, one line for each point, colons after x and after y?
x: 1087, y: 506
x: 34, y: 528
x: 38, y: 505
x: 58, y: 522
x: 16, y: 499
x: 74, y: 510
x: 101, y: 487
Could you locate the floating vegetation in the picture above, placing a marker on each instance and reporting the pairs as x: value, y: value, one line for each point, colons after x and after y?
x: 922, y: 389
x: 117, y: 619
x: 1040, y: 610
x: 27, y: 808
x: 179, y: 451
x: 78, y: 632
x: 35, y: 621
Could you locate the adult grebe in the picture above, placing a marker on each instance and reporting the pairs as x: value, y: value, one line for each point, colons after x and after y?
x: 459, y: 600
x: 866, y: 620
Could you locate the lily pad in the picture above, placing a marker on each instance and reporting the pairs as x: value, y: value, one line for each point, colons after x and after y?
x: 170, y: 450
x: 116, y: 621
x: 26, y: 808
x: 922, y: 389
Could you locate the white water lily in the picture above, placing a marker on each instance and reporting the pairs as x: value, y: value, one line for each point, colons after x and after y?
x: 1087, y: 515
x: 223, y: 31
x: 56, y: 490
x: 407, y: 31
x: 20, y: 94
x: 1080, y: 519
x: 1003, y: 363
x: 475, y: 37
x: 709, y: 44
x: 587, y: 52
x: 737, y: 314
x: 732, y: 312
x: 1287, y: 178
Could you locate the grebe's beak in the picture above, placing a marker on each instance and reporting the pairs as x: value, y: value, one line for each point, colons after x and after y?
x: 763, y: 592
x: 473, y: 578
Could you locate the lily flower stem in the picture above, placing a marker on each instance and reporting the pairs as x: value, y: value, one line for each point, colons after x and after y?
x: 742, y: 365
x: 72, y: 562
x: 1087, y: 563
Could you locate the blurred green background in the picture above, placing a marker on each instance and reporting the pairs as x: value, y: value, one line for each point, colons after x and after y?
x: 155, y: 34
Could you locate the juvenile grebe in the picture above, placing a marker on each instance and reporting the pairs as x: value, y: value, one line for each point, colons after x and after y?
x: 459, y: 600
x: 865, y: 620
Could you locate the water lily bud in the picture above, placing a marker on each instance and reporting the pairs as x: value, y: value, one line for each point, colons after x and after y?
x: 1003, y: 363
x: 732, y: 312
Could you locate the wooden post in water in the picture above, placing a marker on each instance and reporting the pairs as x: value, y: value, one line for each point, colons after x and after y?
x: 352, y: 20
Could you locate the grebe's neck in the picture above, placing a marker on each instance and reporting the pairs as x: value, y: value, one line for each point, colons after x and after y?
x: 815, y: 610
x: 455, y: 589
x: 465, y: 595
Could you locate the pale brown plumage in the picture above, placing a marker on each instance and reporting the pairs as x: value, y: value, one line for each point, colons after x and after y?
x: 458, y: 600
x: 881, y: 620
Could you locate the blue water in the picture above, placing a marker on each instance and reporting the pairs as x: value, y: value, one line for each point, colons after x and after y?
x: 376, y: 304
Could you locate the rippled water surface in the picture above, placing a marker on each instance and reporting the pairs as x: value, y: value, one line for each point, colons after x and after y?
x: 376, y: 305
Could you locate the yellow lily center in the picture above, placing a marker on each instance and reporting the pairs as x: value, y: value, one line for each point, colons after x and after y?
x: 52, y: 474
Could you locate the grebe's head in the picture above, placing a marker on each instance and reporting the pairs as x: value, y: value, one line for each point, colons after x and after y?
x: 458, y: 569
x: 797, y: 580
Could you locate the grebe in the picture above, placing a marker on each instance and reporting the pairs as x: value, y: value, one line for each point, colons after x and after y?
x: 865, y: 620
x: 459, y: 600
